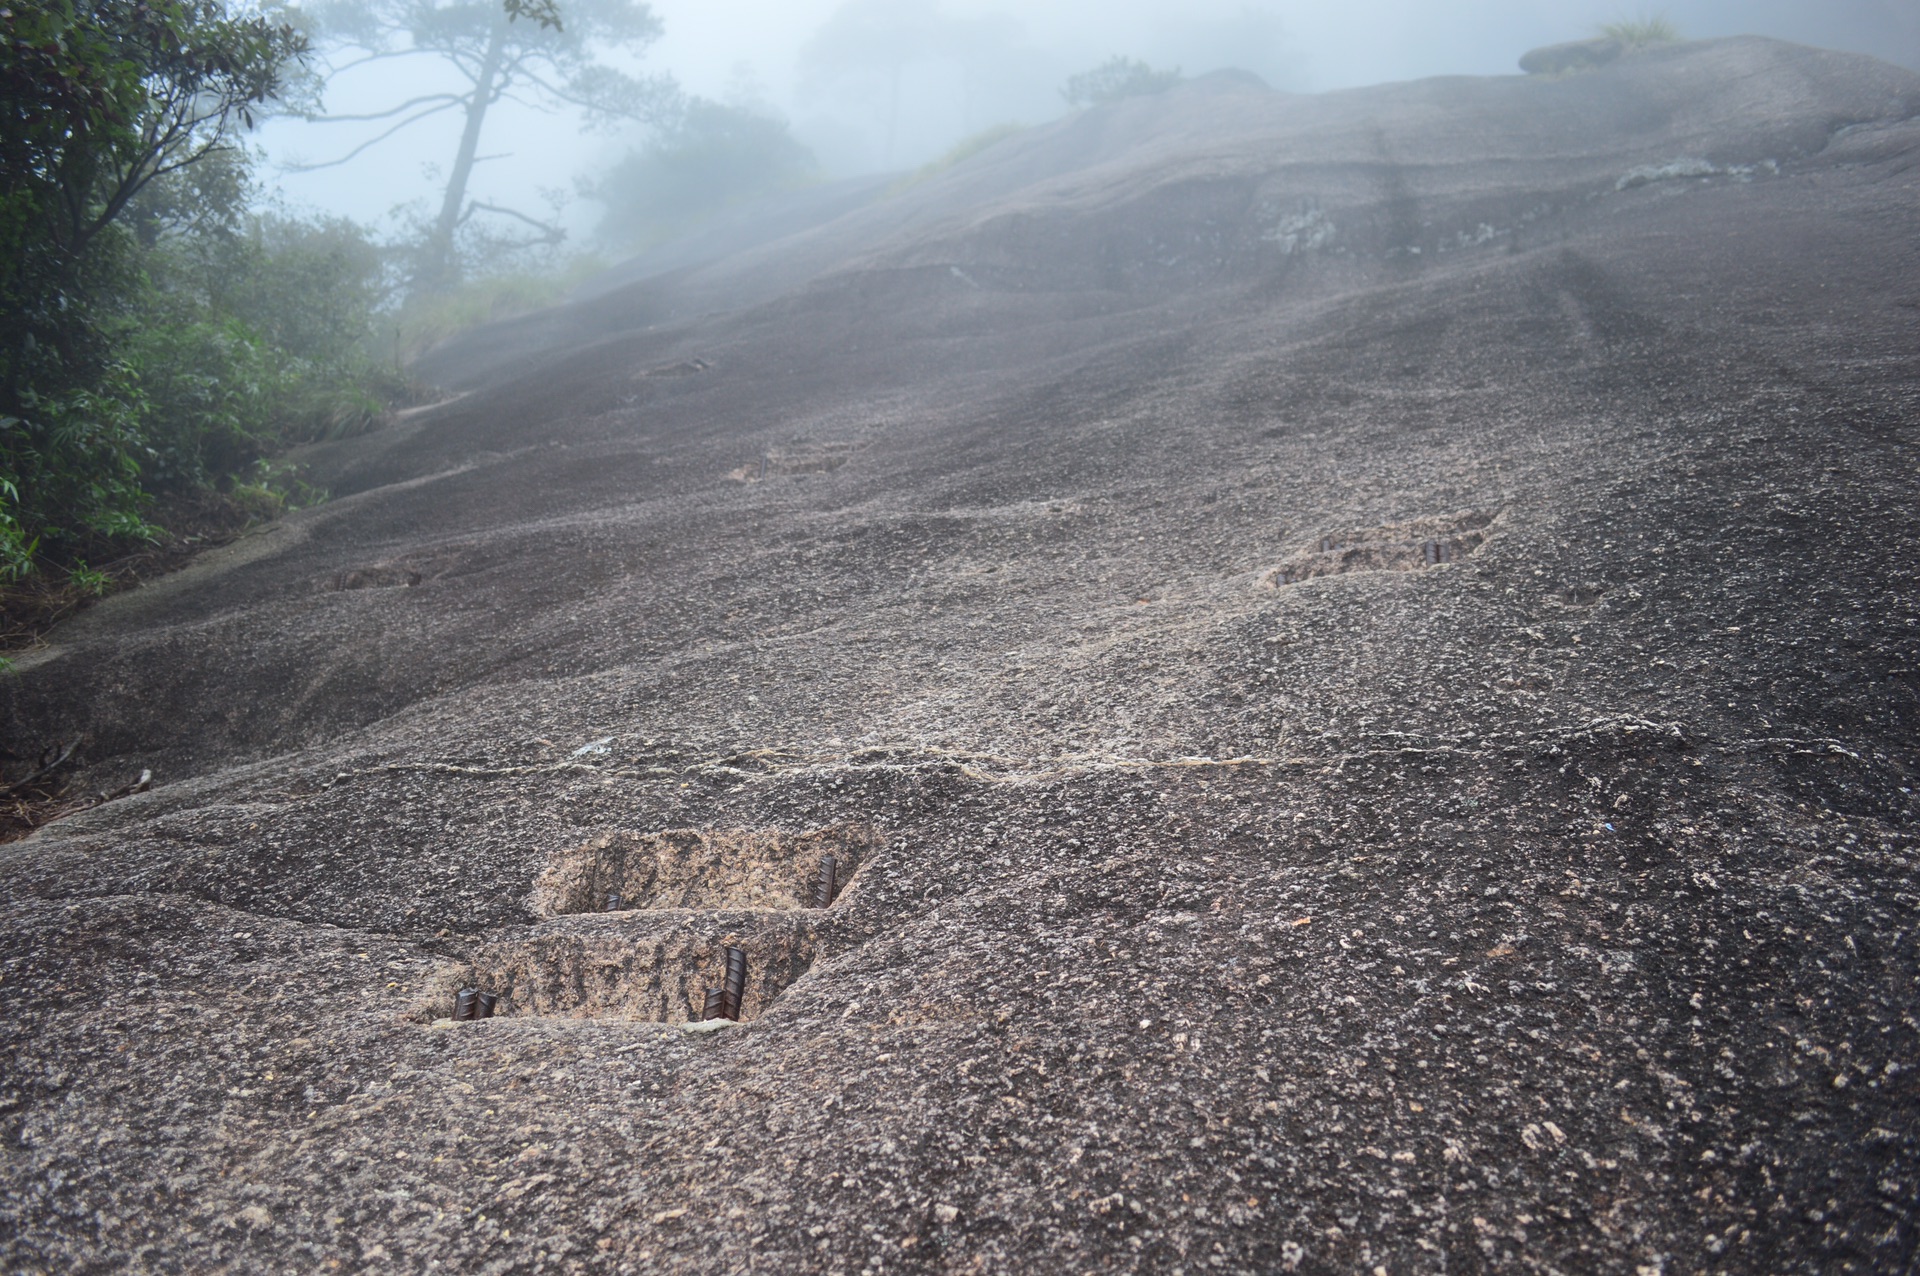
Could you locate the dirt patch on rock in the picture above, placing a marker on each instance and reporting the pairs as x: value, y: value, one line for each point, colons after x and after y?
x: 655, y: 967
x: 765, y: 868
x: 684, y: 368
x: 801, y: 458
x: 1391, y: 547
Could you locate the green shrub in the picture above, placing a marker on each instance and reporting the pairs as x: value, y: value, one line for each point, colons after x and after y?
x: 220, y: 338
x: 70, y: 468
x: 16, y: 550
x: 310, y: 292
x: 1117, y: 78
x: 213, y: 390
x: 87, y: 580
x: 711, y: 157
x: 272, y: 489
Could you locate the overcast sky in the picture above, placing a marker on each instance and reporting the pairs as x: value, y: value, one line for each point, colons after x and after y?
x: 753, y: 49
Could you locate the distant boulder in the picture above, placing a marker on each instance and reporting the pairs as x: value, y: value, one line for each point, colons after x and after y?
x: 1575, y: 55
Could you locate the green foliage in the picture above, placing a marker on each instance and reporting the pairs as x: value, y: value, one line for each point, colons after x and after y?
x: 1114, y: 79
x: 427, y: 319
x: 212, y: 387
x: 961, y: 151
x: 102, y: 102
x: 545, y: 12
x: 273, y: 488
x: 300, y: 296
x: 87, y: 580
x: 1639, y: 33
x: 205, y: 200
x: 70, y: 468
x: 711, y: 156
x: 16, y: 551
x: 157, y: 334
x: 67, y: 98
x: 97, y: 100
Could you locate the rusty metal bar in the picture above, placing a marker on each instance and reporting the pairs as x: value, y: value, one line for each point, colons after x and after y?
x: 736, y: 983
x: 826, y: 884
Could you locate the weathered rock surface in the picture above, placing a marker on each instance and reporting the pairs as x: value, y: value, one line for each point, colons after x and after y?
x: 1574, y: 55
x: 1365, y: 667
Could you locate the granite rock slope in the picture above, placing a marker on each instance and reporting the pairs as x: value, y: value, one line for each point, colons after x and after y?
x: 1358, y: 654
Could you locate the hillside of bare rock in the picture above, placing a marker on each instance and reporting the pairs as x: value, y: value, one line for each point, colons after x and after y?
x: 1356, y: 657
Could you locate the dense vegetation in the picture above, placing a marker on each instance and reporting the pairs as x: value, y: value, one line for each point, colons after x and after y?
x: 1114, y: 79
x: 156, y: 336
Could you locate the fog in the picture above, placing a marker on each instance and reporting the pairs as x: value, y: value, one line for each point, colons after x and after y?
x: 968, y: 65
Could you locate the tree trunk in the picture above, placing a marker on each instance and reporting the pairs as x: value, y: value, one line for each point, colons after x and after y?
x: 893, y: 114
x: 436, y: 267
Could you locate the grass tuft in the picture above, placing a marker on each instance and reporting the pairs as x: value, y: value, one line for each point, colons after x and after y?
x: 1640, y: 33
x: 962, y: 151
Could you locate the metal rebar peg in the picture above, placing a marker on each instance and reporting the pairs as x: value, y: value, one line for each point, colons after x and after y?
x: 714, y: 1005
x: 826, y: 883
x: 736, y: 984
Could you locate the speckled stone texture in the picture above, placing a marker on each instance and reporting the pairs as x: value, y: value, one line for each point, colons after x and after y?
x: 1364, y: 664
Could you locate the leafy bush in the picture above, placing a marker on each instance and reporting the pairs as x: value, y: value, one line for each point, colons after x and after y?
x: 87, y: 580
x: 1114, y: 79
x: 70, y: 468
x: 307, y: 292
x: 308, y: 287
x: 711, y: 156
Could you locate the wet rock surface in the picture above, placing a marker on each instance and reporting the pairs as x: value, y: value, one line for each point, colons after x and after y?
x: 1242, y: 883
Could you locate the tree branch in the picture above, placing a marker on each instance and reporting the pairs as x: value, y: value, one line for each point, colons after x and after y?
x: 19, y: 786
x: 161, y: 143
x: 409, y: 104
x: 569, y: 98
x: 374, y: 141
x: 554, y: 234
x: 374, y: 55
